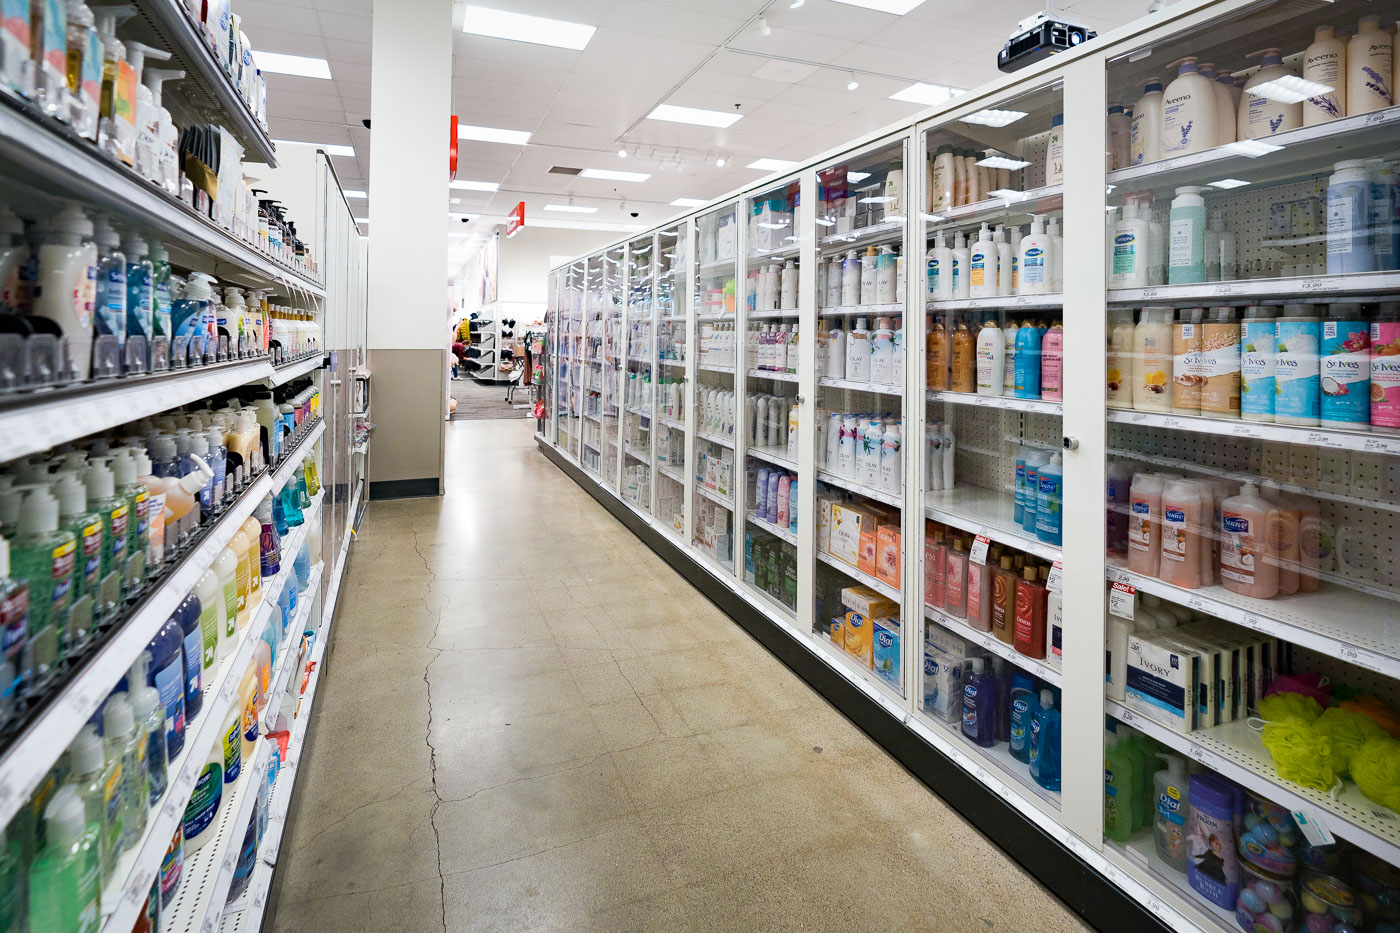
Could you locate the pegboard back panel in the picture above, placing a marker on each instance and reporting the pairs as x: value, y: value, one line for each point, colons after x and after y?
x: 1354, y: 492
x: 987, y: 441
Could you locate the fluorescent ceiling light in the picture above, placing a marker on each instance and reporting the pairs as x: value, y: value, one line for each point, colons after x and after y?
x: 673, y: 114
x: 351, y: 195
x: 539, y: 30
x: 920, y: 93
x: 298, y: 65
x: 361, y: 220
x: 585, y: 225
x: 871, y: 200
x: 994, y: 117
x: 571, y: 209
x: 857, y: 176
x: 997, y: 161
x: 932, y: 218
x: 897, y: 7
x: 334, y: 149
x: 491, y: 134
x: 688, y: 202
x: 1228, y: 183
x: 1251, y: 148
x: 474, y: 185
x: 1290, y: 89
x: 607, y: 174
x: 770, y: 165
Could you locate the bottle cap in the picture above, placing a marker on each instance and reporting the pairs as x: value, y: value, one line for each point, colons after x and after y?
x: 65, y: 818
x: 71, y: 494
x: 85, y: 752
x: 104, y: 235
x: 117, y: 718
x: 145, y: 699
x: 194, y: 481
x: 100, y: 484
x: 38, y: 513
x: 71, y: 220
x: 124, y: 471
x: 134, y: 247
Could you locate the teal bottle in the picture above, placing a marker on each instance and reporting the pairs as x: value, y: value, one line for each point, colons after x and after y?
x: 1045, y: 743
x: 1027, y: 365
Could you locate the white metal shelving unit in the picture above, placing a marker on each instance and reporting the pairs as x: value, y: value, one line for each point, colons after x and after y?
x: 1348, y: 626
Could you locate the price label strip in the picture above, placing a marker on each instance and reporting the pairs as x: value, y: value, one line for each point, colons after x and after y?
x: 1122, y: 600
x: 978, y: 555
x: 1054, y: 583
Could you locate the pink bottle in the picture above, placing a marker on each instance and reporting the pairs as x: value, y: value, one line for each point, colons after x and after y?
x: 1052, y: 364
x: 1247, y: 566
x: 1145, y: 523
x: 784, y: 489
x: 1309, y: 543
x: 955, y: 582
x: 979, y: 596
x: 1186, y: 510
x: 935, y: 568
x: 1285, y: 537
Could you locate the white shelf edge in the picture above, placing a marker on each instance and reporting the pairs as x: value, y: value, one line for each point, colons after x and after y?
x: 779, y: 460
x: 1311, y: 436
x: 873, y: 388
x: 1023, y: 302
x: 281, y: 676
x: 714, y: 496
x: 281, y: 375
x: 860, y: 489
x: 719, y: 439
x: 1035, y: 406
x: 887, y: 309
x: 993, y: 644
x: 870, y: 580
x: 771, y: 528
x: 772, y: 374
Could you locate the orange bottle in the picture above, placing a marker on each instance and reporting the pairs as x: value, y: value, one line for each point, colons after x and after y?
x: 937, y: 345
x: 964, y: 360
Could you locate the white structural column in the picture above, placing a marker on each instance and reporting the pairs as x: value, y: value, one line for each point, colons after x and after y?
x: 410, y: 109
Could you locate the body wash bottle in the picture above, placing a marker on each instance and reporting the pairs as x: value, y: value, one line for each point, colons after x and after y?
x: 979, y: 708
x: 1325, y: 63
x: 1045, y: 743
x: 990, y: 360
x: 1188, y: 112
x: 1145, y: 135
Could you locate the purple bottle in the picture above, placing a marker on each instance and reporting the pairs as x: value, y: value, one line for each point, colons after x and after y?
x: 979, y: 705
x: 1212, y: 865
x: 167, y: 675
x: 771, y: 500
x: 760, y: 498
x: 192, y: 638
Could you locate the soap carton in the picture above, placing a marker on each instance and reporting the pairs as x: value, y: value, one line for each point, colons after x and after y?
x: 885, y: 639
x: 943, y: 683
x: 867, y: 602
x: 859, y: 640
x: 866, y: 564
x: 1161, y: 681
x: 824, y: 506
x: 847, y: 522
x: 888, y: 564
x: 837, y: 631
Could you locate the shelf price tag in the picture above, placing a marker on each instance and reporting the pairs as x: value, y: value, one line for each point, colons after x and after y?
x: 1121, y: 600
x: 1310, y: 822
x: 1055, y: 581
x: 978, y: 555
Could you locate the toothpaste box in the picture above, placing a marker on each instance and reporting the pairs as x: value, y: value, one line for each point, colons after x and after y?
x: 885, y: 641
x: 859, y: 637
x: 1162, y: 680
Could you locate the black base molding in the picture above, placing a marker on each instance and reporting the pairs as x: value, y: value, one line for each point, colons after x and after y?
x: 1083, y: 889
x: 404, y: 488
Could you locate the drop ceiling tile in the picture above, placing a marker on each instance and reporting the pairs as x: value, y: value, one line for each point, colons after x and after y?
x: 653, y: 19
x: 833, y: 20
x: 589, y: 12
x: 342, y: 26
x: 492, y: 111
x: 923, y: 36
x: 348, y: 72
x: 342, y: 50
x: 643, y: 49
x: 789, y: 43
x: 287, y: 18
x: 284, y: 42
x: 320, y: 114
x: 354, y: 7
x: 297, y: 99
x: 521, y: 57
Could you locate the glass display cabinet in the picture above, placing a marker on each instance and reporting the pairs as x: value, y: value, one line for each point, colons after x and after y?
x: 611, y: 369
x: 716, y: 277
x: 639, y: 373
x: 672, y: 269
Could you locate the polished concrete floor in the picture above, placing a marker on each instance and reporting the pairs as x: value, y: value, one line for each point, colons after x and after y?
x: 531, y: 723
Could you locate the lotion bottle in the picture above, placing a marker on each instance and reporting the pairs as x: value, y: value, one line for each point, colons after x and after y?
x: 1004, y: 263
x: 991, y: 363
x: 1145, y: 134
x: 1188, y: 112
x: 1370, y: 61
x: 1325, y: 63
x: 1261, y: 117
x: 1036, y: 265
x: 1225, y: 118
x: 982, y: 267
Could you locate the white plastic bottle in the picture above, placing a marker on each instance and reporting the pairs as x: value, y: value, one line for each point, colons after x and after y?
x: 1055, y: 152
x: 982, y: 266
x: 858, y: 352
x: 940, y: 269
x: 67, y: 284
x: 1350, y: 247
x: 836, y: 351
x: 1225, y: 117
x: 961, y: 256
x: 1128, y: 264
x: 891, y: 466
x: 1325, y: 63
x: 1145, y: 135
x: 789, y: 287
x: 834, y: 277
x: 882, y: 352
x: 1003, y: 263
x: 869, y: 270
x: 1370, y: 61
x: 885, y: 276
x: 991, y: 360
x: 1119, y: 137
x: 1187, y: 263
x: 1188, y: 112
x: 1260, y: 117
x: 1008, y: 338
x: 1037, y: 261
x: 871, y: 443
x: 850, y: 280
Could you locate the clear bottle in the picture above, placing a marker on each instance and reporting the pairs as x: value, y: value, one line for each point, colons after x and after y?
x: 937, y: 360
x: 99, y: 783
x: 65, y: 878
x: 124, y: 743
x: 964, y: 360
x: 150, y: 719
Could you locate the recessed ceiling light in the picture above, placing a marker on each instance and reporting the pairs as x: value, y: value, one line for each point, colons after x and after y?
x: 607, y: 174
x: 921, y: 93
x: 622, y: 153
x: 770, y: 165
x: 474, y: 185
x: 571, y: 209
x: 688, y: 202
x: 1228, y: 183
x: 351, y: 195
x: 299, y: 65
x: 853, y: 83
x: 996, y: 161
x: 897, y: 7
x: 491, y: 134
x: 673, y: 114
x: 334, y: 149
x: 994, y: 117
x: 539, y: 30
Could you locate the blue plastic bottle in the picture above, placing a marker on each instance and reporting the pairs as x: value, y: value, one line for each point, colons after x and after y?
x: 192, y: 639
x: 1020, y: 486
x: 279, y: 516
x: 167, y: 675
x: 1031, y: 496
x: 979, y: 711
x: 1023, y: 708
x: 772, y: 499
x: 1049, y: 503
x: 1045, y: 743
x: 1027, y: 371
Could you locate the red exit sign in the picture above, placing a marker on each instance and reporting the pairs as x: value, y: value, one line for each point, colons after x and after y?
x: 515, y: 221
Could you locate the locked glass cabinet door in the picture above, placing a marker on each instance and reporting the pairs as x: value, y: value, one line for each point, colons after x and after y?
x: 548, y: 392
x: 716, y: 244
x: 638, y: 374
x: 611, y: 370
x: 768, y: 433
x: 992, y: 422
x: 569, y: 385
x: 1253, y: 450
x: 669, y: 445
x: 592, y: 371
x: 862, y: 220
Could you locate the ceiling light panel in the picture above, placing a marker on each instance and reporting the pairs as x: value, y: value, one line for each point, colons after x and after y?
x: 353, y: 195
x: 996, y: 161
x: 770, y: 165
x: 694, y: 115
x: 298, y: 65
x: 688, y: 202
x: 897, y: 7
x: 474, y: 185
x: 607, y: 174
x: 537, y: 30
x: 928, y: 94
x: 994, y: 117
x: 491, y: 134
x: 334, y: 149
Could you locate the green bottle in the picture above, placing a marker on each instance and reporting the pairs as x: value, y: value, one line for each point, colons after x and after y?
x: 65, y: 880
x: 116, y: 534
x: 163, y: 332
x: 14, y: 630
x: 42, y: 555
x: 99, y: 782
x: 1122, y: 782
x: 86, y: 528
x: 138, y: 500
x: 12, y: 886
x: 123, y: 742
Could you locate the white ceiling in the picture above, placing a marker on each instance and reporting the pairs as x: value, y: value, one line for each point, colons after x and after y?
x: 582, y: 106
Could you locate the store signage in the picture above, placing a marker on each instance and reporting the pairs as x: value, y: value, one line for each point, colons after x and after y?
x: 515, y: 220
x: 452, y: 150
x: 979, y: 550
x: 1121, y: 600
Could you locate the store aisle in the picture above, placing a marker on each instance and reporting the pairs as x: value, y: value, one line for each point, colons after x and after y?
x: 532, y: 723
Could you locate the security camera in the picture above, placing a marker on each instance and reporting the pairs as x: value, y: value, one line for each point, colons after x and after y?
x: 466, y: 220
x: 635, y: 214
